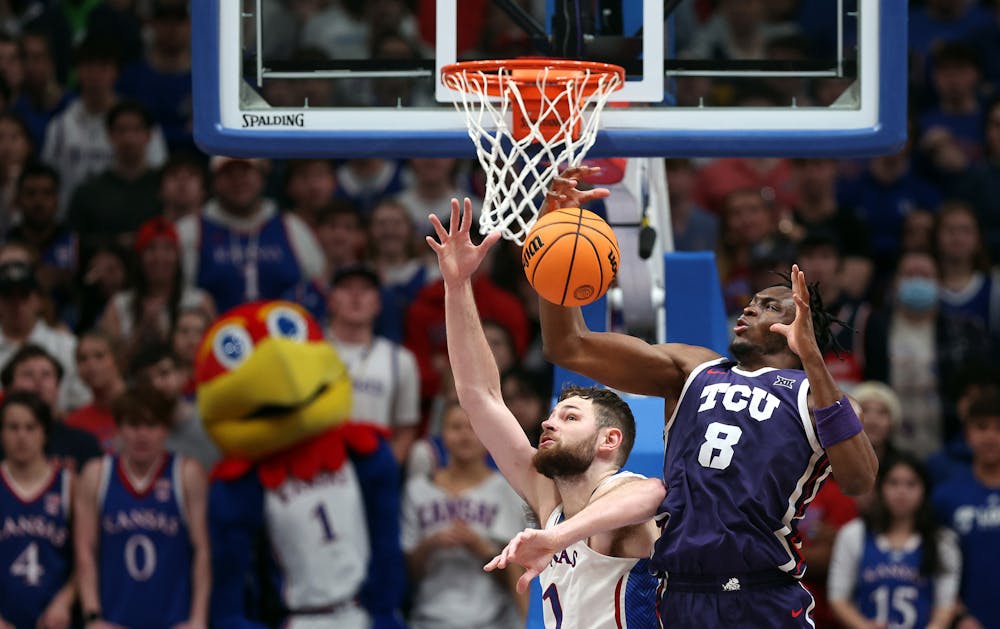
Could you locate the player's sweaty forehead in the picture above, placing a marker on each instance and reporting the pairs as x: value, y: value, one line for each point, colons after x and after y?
x: 780, y: 295
x: 573, y: 405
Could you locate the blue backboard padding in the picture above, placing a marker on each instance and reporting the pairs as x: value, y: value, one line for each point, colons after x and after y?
x: 693, y: 300
x: 887, y: 135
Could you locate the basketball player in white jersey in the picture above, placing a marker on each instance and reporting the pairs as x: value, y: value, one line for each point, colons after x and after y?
x: 599, y: 583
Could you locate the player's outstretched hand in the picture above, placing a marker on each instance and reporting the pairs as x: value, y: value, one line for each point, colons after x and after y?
x: 564, y: 193
x: 800, y: 335
x: 457, y: 256
x: 532, y: 549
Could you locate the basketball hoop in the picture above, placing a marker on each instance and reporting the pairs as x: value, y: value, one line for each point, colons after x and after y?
x: 555, y: 106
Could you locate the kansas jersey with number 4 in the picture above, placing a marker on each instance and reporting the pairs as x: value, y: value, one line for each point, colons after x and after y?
x: 34, y: 547
x: 741, y: 462
x: 145, y: 548
x: 584, y: 589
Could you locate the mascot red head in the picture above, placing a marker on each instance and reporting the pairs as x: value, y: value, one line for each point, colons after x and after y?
x: 323, y: 491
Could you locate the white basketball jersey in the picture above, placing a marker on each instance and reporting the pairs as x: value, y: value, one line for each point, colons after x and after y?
x: 583, y: 589
x: 385, y: 382
x: 319, y: 537
x: 455, y: 592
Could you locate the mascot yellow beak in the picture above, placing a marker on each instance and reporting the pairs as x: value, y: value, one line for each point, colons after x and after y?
x: 265, y: 385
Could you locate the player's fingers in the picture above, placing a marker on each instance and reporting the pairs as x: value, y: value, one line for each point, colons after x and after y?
x: 490, y: 240
x: 800, y: 280
x: 492, y: 564
x: 780, y: 328
x: 433, y: 243
x: 455, y: 224
x: 439, y: 229
x: 524, y: 582
x: 596, y: 193
x: 466, y: 223
x: 801, y: 303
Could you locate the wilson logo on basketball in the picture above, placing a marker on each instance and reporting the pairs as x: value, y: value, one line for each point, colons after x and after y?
x: 530, y: 249
x: 613, y: 259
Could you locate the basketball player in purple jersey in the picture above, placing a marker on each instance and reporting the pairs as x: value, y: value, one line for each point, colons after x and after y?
x: 748, y: 443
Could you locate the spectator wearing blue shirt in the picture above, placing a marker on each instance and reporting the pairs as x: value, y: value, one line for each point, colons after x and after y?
x: 980, y: 187
x: 951, y: 132
x: 162, y: 81
x: 940, y: 21
x: 986, y: 41
x: 970, y: 504
x: 883, y: 195
x: 42, y: 96
x: 40, y: 229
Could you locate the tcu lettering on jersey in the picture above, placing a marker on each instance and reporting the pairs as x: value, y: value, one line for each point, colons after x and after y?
x: 739, y: 397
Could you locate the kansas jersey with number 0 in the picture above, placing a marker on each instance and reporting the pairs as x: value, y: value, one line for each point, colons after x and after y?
x: 35, y: 553
x: 741, y: 463
x: 145, y: 549
x: 319, y: 537
x: 584, y: 589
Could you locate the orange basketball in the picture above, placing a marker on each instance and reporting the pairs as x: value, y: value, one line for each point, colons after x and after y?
x: 570, y: 256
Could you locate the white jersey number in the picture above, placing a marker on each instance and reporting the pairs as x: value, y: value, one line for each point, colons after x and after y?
x: 26, y: 565
x: 717, y: 451
x: 902, y: 601
x: 140, y: 557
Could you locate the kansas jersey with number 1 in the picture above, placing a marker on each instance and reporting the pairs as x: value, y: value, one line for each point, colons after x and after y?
x: 145, y: 549
x: 35, y: 552
x: 584, y: 589
x: 741, y: 463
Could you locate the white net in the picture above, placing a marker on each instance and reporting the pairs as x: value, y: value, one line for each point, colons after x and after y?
x: 521, y: 163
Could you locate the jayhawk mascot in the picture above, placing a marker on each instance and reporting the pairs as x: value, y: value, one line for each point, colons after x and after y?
x: 319, y: 494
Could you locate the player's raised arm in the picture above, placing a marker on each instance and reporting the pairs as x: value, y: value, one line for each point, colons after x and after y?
x: 619, y: 361
x: 626, y: 504
x: 852, y: 458
x: 477, y: 380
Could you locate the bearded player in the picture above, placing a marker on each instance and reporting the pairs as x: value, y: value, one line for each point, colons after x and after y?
x: 597, y: 583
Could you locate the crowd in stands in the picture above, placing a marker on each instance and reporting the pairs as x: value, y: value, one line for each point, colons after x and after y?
x: 120, y: 242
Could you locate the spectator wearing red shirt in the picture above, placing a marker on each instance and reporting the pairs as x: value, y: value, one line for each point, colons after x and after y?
x: 424, y: 332
x: 99, y: 370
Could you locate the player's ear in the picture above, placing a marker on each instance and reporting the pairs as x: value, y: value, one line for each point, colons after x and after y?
x: 611, y: 440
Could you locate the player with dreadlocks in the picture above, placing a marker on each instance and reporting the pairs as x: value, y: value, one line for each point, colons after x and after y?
x: 748, y: 442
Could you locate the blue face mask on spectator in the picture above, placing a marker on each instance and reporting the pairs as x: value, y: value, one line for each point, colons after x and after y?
x: 917, y: 293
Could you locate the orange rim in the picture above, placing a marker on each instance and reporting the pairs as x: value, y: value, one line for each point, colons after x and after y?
x: 561, y: 72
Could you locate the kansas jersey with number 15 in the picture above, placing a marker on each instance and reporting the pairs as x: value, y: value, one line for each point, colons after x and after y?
x: 584, y: 589
x: 741, y: 462
x: 34, y: 547
x: 145, y: 549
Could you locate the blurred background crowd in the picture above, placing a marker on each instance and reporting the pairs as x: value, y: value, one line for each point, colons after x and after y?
x: 120, y: 241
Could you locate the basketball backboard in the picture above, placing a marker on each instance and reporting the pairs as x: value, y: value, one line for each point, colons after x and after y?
x: 265, y: 85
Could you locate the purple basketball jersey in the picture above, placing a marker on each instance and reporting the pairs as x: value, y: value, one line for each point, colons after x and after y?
x: 741, y: 463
